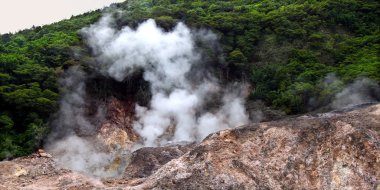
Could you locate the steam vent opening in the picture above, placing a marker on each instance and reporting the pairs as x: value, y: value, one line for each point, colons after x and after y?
x: 133, y: 88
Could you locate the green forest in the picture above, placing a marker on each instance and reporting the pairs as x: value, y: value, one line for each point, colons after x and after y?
x: 284, y: 49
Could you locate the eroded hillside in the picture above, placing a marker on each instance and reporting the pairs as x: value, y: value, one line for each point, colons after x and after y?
x: 335, y: 150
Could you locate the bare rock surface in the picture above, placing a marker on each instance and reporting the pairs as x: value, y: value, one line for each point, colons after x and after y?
x: 38, y: 172
x: 116, y: 130
x: 146, y: 161
x: 338, y: 150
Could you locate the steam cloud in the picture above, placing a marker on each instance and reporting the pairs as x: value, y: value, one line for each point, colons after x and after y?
x: 340, y: 96
x: 168, y: 60
x: 71, y: 151
x: 187, y: 102
x: 361, y: 91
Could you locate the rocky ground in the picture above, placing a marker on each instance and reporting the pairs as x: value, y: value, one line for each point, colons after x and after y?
x: 336, y: 150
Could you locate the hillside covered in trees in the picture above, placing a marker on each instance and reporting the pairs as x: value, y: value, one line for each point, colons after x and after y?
x: 283, y: 49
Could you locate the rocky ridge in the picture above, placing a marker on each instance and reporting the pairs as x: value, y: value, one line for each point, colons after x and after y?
x: 336, y: 150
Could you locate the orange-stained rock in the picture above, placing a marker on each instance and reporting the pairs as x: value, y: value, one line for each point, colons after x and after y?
x: 116, y: 130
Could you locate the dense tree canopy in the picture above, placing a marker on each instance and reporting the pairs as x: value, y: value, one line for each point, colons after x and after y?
x: 283, y: 48
x: 30, y: 64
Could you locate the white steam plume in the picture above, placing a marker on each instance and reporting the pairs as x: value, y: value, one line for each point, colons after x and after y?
x: 361, y: 91
x: 80, y: 153
x: 178, y: 108
x: 337, y: 95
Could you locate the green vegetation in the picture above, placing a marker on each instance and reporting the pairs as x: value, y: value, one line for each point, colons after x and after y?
x: 30, y: 64
x: 285, y: 49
